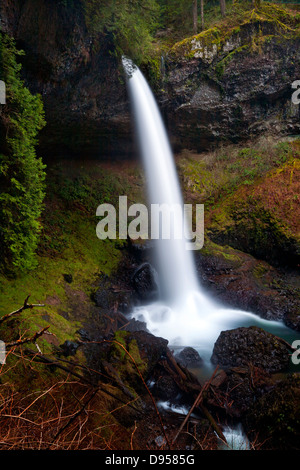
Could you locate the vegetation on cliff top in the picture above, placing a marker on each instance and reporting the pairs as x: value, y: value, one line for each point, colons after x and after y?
x: 223, y: 35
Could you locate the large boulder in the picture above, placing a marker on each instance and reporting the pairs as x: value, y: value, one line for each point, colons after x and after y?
x: 251, y: 345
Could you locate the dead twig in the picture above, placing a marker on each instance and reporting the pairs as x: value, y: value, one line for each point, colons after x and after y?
x: 25, y: 306
x: 47, y: 360
x: 32, y: 339
x: 77, y: 414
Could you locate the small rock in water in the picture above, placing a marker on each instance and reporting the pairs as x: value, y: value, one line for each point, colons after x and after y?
x: 189, y: 357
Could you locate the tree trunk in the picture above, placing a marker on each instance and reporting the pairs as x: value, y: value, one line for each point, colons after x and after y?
x: 223, y: 7
x: 195, y: 17
x: 202, y: 14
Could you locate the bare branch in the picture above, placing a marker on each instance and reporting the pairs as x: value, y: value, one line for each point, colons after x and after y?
x: 32, y: 339
x: 25, y: 306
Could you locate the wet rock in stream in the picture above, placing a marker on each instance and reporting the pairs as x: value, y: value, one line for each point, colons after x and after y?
x: 251, y: 345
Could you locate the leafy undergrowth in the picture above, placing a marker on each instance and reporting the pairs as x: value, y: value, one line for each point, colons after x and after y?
x: 210, y: 177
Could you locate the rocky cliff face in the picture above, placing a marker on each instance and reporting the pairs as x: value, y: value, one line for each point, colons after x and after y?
x: 218, y: 86
x: 228, y: 86
x: 81, y: 85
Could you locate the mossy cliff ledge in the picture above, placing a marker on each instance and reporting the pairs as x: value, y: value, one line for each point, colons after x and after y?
x: 234, y: 80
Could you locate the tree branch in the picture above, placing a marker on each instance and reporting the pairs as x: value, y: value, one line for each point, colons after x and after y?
x: 32, y: 339
x: 24, y: 307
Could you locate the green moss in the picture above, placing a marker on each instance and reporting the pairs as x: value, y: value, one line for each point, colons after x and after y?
x: 213, y: 42
x: 127, y: 367
x: 260, y: 270
x: 260, y: 222
x: 226, y: 252
x: 222, y: 64
x: 200, y: 45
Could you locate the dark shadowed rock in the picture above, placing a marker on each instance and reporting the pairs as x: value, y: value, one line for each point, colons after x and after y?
x: 144, y: 282
x: 274, y: 419
x: 69, y: 348
x: 252, y: 345
x: 136, y: 325
x: 238, y: 388
x: 243, y: 282
x: 189, y: 357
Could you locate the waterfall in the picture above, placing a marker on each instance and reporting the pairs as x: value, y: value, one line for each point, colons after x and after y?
x: 185, y: 314
x: 176, y: 268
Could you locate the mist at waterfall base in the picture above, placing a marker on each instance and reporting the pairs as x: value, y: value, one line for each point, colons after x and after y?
x: 185, y: 315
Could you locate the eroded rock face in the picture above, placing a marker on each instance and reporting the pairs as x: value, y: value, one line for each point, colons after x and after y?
x: 144, y: 281
x: 240, y: 281
x: 252, y: 345
x: 79, y: 80
x: 226, y: 91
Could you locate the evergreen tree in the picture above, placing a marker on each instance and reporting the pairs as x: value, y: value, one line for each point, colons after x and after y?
x: 21, y: 171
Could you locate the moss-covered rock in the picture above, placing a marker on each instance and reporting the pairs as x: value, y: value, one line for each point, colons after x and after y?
x: 263, y: 218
